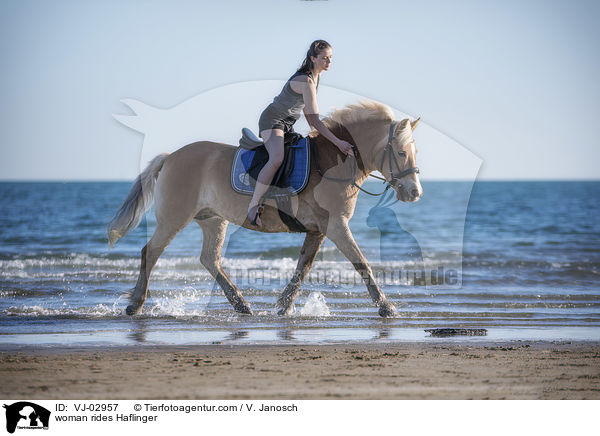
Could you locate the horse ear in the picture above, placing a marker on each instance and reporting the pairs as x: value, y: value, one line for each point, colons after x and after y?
x: 413, y: 124
x: 402, y: 124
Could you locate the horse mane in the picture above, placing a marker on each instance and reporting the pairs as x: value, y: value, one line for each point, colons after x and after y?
x: 354, y: 113
x: 337, y: 123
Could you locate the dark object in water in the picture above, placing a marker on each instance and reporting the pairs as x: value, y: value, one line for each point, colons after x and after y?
x: 442, y: 333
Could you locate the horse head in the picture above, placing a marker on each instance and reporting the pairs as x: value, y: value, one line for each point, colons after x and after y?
x: 384, y: 144
x: 398, y: 161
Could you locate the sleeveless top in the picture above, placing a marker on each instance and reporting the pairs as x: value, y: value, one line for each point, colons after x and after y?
x: 289, y: 104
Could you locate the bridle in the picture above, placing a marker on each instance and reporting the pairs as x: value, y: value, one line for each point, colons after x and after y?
x: 387, y: 151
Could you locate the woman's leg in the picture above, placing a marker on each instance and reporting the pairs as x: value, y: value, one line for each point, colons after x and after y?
x: 274, y: 143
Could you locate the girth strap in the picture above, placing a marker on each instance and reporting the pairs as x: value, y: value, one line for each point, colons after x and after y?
x: 284, y: 208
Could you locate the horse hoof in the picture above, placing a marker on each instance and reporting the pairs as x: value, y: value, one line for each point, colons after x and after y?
x: 284, y: 311
x: 133, y: 309
x: 245, y: 309
x: 388, y: 310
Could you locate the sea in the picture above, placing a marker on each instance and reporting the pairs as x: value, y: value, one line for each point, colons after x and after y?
x: 519, y: 259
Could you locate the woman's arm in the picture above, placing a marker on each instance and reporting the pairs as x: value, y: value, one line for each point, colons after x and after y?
x: 311, y: 112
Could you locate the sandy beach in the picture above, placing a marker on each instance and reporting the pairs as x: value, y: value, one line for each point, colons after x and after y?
x: 514, y: 370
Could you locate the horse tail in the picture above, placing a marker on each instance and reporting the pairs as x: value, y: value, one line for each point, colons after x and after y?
x: 137, y: 202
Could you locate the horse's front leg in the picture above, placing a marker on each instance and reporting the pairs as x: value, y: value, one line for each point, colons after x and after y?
x: 340, y: 234
x: 312, y: 243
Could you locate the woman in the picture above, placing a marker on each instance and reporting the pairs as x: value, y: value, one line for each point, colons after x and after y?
x: 299, y: 93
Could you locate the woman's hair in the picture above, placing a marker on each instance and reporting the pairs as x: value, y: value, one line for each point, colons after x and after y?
x: 316, y: 47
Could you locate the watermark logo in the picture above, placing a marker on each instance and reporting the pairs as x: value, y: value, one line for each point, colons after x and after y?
x: 24, y: 415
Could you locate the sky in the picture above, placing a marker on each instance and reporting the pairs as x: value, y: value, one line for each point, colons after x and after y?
x: 513, y: 83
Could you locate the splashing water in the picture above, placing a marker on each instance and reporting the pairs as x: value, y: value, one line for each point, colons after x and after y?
x: 315, y: 305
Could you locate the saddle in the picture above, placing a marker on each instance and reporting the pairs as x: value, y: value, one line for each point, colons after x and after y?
x: 290, y: 179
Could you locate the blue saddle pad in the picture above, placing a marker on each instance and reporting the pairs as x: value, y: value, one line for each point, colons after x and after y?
x: 296, y: 182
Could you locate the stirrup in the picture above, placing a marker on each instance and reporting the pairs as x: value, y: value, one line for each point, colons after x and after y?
x: 259, y: 210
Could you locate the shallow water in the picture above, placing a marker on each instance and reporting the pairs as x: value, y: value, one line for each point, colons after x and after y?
x: 526, y: 267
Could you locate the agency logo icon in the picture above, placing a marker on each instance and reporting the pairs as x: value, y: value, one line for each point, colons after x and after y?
x: 26, y: 415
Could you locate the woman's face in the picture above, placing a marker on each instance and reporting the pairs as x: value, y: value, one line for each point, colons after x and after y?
x: 323, y: 60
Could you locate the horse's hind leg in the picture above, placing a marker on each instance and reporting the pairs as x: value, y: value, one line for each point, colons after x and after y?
x: 311, y: 246
x: 213, y: 231
x: 150, y: 254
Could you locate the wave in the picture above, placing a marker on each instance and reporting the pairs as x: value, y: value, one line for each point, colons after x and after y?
x: 327, y: 254
x: 97, y: 311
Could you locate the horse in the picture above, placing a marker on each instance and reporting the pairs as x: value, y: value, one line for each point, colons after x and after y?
x: 193, y: 183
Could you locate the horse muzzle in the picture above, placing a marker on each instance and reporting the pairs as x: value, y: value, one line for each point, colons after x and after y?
x: 409, y: 194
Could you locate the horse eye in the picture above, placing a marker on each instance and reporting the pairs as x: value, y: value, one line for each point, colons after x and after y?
x: 402, y: 153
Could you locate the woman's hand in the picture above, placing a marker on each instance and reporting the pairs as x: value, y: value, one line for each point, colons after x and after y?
x: 345, y: 147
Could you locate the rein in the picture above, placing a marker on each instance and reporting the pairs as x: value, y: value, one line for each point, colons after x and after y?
x: 388, y: 151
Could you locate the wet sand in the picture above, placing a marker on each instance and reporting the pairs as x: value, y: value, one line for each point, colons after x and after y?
x: 513, y: 370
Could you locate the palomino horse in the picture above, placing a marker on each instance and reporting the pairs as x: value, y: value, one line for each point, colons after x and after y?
x: 193, y: 184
